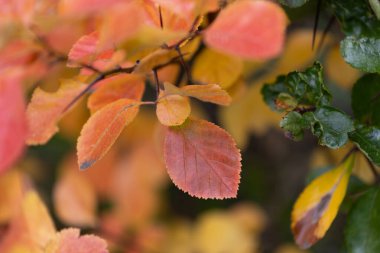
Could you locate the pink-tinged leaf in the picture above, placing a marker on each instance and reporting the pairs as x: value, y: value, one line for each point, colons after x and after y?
x: 46, y: 109
x: 85, y: 7
x: 114, y: 88
x: 70, y: 241
x: 248, y: 29
x: 102, y: 129
x: 202, y: 159
x: 84, y: 50
x: 13, y: 127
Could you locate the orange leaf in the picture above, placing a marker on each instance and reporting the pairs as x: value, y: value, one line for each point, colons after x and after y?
x: 111, y: 89
x: 248, y: 29
x: 102, y: 129
x: 202, y: 159
x: 75, y: 199
x: 70, y: 241
x: 46, y: 109
x: 13, y: 128
x: 209, y: 93
x: 172, y: 110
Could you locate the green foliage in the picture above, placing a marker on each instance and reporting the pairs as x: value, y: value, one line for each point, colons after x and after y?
x: 361, y: 47
x: 306, y: 88
x: 368, y: 140
x: 367, y: 89
x: 295, y: 123
x: 331, y: 126
x: 363, y: 230
x: 362, y: 53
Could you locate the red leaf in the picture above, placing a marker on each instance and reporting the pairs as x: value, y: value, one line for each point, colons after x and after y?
x: 248, y: 29
x: 202, y: 159
x: 102, y: 129
x: 111, y: 89
x: 13, y: 121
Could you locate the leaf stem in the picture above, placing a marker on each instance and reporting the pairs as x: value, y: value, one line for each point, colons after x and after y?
x: 375, y: 5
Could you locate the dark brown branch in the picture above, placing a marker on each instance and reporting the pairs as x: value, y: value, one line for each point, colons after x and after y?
x: 185, y: 66
x: 157, y: 82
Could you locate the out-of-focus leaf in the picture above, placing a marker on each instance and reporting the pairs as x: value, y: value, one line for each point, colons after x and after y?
x: 362, y: 53
x: 214, y: 67
x: 363, y: 224
x: 13, y: 129
x: 366, y: 99
x: 172, y: 110
x: 70, y: 241
x: 202, y: 159
x: 306, y: 87
x: 293, y: 3
x: 368, y: 140
x: 317, y: 206
x: 155, y: 59
x: 331, y: 126
x: 241, y: 29
x: 212, y: 93
x: 114, y: 88
x: 102, y: 129
x: 75, y: 200
x: 46, y: 109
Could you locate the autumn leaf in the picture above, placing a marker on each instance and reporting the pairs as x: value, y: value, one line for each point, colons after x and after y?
x: 265, y: 21
x: 70, y: 241
x: 317, y: 206
x: 212, y: 93
x: 202, y: 159
x: 172, y: 110
x: 214, y: 67
x: 75, y: 199
x: 102, y: 129
x: 46, y: 109
x: 83, y: 51
x: 116, y: 87
x: 155, y: 59
x: 13, y: 128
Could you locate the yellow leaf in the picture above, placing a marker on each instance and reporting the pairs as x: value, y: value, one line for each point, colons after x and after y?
x: 317, y: 206
x: 173, y: 110
x: 155, y: 59
x: 213, y: 67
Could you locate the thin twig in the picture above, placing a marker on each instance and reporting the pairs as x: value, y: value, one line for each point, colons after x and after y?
x: 316, y: 21
x: 157, y: 82
x: 184, y: 66
x: 325, y: 31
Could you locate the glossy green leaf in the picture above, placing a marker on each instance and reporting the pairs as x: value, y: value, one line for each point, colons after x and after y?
x: 366, y: 99
x: 331, y: 127
x: 293, y: 3
x: 363, y: 224
x: 368, y: 140
x: 307, y: 88
x: 362, y: 53
x: 295, y: 124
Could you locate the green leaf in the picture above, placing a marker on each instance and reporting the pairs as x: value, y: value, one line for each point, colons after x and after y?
x: 362, y: 231
x: 366, y: 99
x: 368, y: 141
x: 295, y: 124
x: 362, y: 53
x: 356, y: 17
x: 305, y: 88
x: 331, y: 127
x: 293, y: 3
